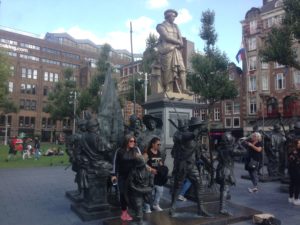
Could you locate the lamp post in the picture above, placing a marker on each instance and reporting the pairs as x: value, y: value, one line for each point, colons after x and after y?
x: 263, y: 97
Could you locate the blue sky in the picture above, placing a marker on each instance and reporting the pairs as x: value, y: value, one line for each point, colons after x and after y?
x: 107, y: 21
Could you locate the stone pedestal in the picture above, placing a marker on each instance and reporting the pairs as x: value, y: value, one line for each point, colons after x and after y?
x: 74, y: 196
x: 94, y: 204
x: 174, y: 106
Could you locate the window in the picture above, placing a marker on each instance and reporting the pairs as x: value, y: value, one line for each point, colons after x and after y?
x: 33, y: 105
x: 228, y: 122
x: 252, y: 43
x: 264, y: 65
x: 297, y: 79
x: 46, y: 76
x: 23, y: 88
x: 51, y: 77
x: 236, y: 108
x: 203, y: 114
x: 56, y: 77
x: 264, y: 82
x: 10, y: 42
x: 29, y: 57
x: 34, y: 74
x: 236, y: 122
x: 253, y: 26
x: 30, y: 46
x: 23, y: 74
x: 252, y: 63
x: 279, y: 81
x: 217, y: 114
x: 28, y: 88
x: 228, y: 108
x: 29, y: 73
x: 12, y: 70
x: 252, y: 106
x: 252, y: 83
x: 22, y: 104
x: 10, y: 87
x: 45, y: 91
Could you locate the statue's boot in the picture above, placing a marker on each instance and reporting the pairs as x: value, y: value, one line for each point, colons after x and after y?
x: 223, y: 197
x: 173, y: 203
x: 202, y: 211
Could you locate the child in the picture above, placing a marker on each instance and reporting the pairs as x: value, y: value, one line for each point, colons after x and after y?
x: 140, y: 183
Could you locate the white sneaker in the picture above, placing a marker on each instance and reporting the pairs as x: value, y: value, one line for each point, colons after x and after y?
x: 291, y: 200
x: 253, y: 190
x: 148, y: 211
x: 297, y: 202
x: 181, y: 198
x: 157, y: 208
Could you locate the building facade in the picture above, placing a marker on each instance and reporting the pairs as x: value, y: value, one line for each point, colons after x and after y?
x: 271, y: 89
x: 36, y: 65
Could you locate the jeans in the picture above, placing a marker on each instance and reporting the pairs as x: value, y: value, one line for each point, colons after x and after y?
x: 186, y: 185
x: 156, y: 195
x: 254, y: 177
x: 158, y: 191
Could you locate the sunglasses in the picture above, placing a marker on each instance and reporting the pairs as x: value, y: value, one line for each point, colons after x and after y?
x: 132, y: 141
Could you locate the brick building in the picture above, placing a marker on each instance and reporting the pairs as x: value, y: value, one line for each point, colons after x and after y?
x: 36, y: 65
x: 270, y: 88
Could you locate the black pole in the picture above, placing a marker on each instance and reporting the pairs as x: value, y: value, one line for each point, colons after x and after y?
x: 133, y: 75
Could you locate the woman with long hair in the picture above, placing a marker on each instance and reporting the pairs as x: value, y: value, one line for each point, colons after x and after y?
x: 124, y: 162
x: 155, y: 164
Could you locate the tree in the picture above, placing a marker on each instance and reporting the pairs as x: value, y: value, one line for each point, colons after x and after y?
x: 279, y: 42
x: 6, y: 104
x: 210, y: 78
x: 139, y: 90
x: 90, y: 98
x: 4, y: 74
x: 61, y: 101
x: 150, y: 54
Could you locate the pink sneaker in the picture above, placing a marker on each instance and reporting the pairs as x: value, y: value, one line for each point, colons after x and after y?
x: 125, y: 216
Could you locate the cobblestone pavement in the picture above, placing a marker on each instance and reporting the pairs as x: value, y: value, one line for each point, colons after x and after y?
x: 36, y: 196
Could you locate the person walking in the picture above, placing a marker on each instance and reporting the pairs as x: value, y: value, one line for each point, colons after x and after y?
x: 254, y: 147
x: 294, y: 173
x: 124, y: 162
x: 37, y: 146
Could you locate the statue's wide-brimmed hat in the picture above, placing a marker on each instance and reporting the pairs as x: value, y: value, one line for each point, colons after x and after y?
x: 171, y: 11
x: 276, y: 127
x: 195, y: 121
x: 147, y: 118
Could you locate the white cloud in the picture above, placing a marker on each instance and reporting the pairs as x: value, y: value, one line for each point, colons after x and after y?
x: 156, y: 4
x: 141, y: 28
x: 184, y: 16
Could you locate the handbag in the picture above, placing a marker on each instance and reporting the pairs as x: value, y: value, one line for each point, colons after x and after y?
x: 252, y: 164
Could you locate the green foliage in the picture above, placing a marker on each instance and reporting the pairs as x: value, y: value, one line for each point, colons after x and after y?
x: 150, y: 54
x: 139, y: 90
x: 4, y: 74
x: 207, y: 32
x: 279, y: 42
x: 210, y: 79
x: 61, y: 101
x: 90, y: 98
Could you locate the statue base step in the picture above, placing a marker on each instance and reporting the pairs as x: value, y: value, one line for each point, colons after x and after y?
x: 188, y: 216
x: 74, y: 196
x: 92, y: 212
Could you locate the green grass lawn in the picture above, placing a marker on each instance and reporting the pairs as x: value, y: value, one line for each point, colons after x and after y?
x: 44, y: 161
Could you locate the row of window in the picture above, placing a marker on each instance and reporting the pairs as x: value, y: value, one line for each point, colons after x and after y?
x: 28, y: 89
x: 202, y: 113
x: 44, y: 60
x: 280, y: 81
x: 33, y: 74
x: 28, y: 104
